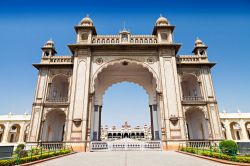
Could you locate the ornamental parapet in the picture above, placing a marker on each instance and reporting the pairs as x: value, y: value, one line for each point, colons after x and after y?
x: 191, y: 59
x: 131, y: 39
x: 57, y: 60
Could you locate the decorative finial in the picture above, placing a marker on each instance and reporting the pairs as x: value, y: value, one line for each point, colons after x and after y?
x: 160, y: 15
x: 124, y: 25
x: 223, y: 109
x: 87, y: 15
x: 238, y: 109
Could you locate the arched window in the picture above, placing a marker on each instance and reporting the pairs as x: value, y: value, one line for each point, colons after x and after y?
x: 196, y: 124
x: 190, y: 87
x: 235, y: 130
x: 58, y: 89
x: 14, y: 133
x: 53, y: 127
x: 247, y: 125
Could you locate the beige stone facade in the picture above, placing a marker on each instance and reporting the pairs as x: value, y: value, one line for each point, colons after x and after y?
x: 68, y: 98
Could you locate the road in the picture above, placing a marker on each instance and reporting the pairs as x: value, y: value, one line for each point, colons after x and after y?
x: 134, y: 158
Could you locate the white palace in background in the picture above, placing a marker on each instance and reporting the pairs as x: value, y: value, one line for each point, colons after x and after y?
x: 68, y: 98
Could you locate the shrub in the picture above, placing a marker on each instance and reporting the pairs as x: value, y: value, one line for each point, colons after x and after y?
x: 23, y: 153
x: 35, y: 151
x: 27, y: 159
x: 21, y: 146
x: 242, y: 159
x: 228, y: 147
x: 7, y: 162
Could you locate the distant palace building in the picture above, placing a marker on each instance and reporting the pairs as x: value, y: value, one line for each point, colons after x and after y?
x: 126, y: 131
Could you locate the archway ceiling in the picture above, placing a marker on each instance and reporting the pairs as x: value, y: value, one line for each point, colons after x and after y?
x: 121, y: 73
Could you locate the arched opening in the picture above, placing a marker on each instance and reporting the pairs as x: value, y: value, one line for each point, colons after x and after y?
x: 109, y: 135
x: 196, y: 124
x: 2, y: 128
x: 26, y: 132
x: 53, y: 127
x: 190, y: 87
x: 247, y: 125
x: 224, y: 132
x: 235, y: 130
x: 14, y: 133
x: 125, y: 135
x: 119, y: 135
x: 123, y: 82
x: 58, y: 89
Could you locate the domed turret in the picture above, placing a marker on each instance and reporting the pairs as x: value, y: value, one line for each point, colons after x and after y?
x: 49, y: 48
x: 199, y: 48
x: 163, y: 30
x: 49, y: 44
x: 198, y: 42
x: 162, y: 21
x: 85, y: 29
x: 86, y: 21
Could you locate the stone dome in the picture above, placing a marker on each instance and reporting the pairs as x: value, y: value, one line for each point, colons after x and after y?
x: 86, y: 21
x: 161, y: 21
x: 49, y: 43
x: 198, y: 42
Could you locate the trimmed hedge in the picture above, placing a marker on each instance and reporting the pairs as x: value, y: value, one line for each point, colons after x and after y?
x: 241, y: 159
x: 23, y: 160
x: 10, y: 162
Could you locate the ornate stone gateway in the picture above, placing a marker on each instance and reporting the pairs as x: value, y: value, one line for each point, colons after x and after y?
x: 68, y: 98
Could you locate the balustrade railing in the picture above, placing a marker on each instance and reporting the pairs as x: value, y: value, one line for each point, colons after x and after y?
x: 192, y: 98
x: 105, y: 39
x: 57, y: 100
x: 61, y: 59
x: 143, y: 39
x: 115, y: 39
x: 191, y: 58
x: 125, y: 145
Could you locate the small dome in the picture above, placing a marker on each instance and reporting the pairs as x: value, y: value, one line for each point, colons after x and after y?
x: 161, y: 21
x: 198, y: 42
x: 49, y: 43
x: 86, y: 21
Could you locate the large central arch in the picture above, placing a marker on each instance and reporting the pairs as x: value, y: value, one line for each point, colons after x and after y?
x: 124, y: 70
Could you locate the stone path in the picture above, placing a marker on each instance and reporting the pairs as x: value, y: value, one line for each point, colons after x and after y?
x: 150, y: 158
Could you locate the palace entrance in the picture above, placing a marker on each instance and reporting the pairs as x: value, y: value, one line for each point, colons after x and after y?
x: 121, y: 71
x: 68, y: 100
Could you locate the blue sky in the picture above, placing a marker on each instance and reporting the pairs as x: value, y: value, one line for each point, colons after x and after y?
x: 26, y: 25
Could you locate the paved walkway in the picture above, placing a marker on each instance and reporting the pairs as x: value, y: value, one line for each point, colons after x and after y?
x: 150, y: 158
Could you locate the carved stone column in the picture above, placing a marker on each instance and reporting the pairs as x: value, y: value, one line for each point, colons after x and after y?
x: 156, y: 123
x: 151, y: 121
x: 162, y: 116
x: 6, y: 133
x: 100, y: 123
x: 96, y: 125
x: 243, y: 130
x: 228, y: 130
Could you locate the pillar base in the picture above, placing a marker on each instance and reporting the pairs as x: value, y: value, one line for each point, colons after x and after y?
x: 79, y: 147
